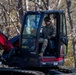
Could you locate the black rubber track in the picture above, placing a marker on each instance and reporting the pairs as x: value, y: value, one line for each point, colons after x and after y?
x: 11, y: 71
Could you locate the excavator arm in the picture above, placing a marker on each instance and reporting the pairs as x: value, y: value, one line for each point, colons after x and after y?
x: 5, y: 43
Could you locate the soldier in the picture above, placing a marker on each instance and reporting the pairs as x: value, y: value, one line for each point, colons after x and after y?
x: 48, y: 32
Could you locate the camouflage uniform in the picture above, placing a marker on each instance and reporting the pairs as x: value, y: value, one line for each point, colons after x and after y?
x: 48, y: 32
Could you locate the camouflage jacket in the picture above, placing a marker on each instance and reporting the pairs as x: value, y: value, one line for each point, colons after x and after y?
x: 48, y: 31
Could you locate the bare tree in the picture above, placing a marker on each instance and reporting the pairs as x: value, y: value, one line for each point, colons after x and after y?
x: 68, y: 2
x: 8, y: 18
x: 20, y: 8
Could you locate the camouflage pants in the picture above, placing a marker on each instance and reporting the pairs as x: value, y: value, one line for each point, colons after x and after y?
x: 44, y: 45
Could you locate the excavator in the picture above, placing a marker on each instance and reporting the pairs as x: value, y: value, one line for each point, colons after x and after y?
x: 22, y: 51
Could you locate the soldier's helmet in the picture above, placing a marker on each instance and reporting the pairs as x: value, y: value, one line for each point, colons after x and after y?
x: 47, y: 18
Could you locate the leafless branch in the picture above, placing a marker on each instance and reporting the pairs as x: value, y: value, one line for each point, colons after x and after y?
x: 11, y: 19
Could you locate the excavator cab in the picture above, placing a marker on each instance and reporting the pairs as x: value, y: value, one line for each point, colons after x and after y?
x: 31, y: 36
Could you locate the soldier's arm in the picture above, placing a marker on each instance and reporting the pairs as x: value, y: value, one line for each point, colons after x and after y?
x: 52, y: 33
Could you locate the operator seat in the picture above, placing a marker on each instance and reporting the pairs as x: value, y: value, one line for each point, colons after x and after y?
x: 51, y: 47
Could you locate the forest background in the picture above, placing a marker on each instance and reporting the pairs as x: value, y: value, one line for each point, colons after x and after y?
x: 12, y: 12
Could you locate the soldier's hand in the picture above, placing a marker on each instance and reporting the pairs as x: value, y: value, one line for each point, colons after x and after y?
x: 49, y: 37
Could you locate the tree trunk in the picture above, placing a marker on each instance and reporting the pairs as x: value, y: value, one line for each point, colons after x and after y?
x: 68, y: 2
x: 27, y: 5
x: 20, y: 7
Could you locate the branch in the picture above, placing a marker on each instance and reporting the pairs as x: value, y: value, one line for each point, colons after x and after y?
x: 10, y: 18
x: 55, y: 5
x: 40, y: 6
